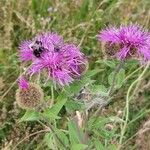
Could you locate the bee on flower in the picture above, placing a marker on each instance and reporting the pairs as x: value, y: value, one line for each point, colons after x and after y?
x: 62, y: 62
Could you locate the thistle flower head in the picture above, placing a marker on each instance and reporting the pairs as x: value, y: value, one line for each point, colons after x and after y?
x: 61, y: 65
x: 31, y: 97
x: 62, y: 61
x: 130, y: 40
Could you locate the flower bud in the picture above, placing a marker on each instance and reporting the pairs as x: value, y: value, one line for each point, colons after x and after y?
x: 30, y: 97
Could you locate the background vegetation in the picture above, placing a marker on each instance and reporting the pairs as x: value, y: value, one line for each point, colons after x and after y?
x: 78, y: 21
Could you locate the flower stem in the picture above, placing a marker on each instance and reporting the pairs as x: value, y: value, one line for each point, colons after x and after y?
x: 52, y: 95
x: 128, y: 99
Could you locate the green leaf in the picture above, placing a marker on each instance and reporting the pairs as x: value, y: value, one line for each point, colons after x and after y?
x: 112, y: 147
x: 93, y: 72
x: 116, y: 119
x: 96, y: 123
x: 99, y: 89
x: 50, y: 141
x: 76, y: 86
x: 52, y: 113
x: 30, y: 115
x: 53, y: 143
x: 74, y: 133
x: 84, y: 9
x: 86, y: 80
x: 98, y: 145
x: 79, y: 147
x: 120, y: 77
x: 72, y: 105
x: 62, y: 136
x: 61, y: 100
x: 110, y: 78
x: 108, y: 63
x: 131, y: 64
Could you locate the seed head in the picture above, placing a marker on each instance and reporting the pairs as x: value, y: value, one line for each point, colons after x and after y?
x: 30, y: 97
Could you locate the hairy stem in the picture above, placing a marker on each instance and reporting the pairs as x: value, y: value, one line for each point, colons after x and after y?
x: 128, y: 98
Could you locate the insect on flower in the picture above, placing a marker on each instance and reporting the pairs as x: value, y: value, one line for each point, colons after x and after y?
x: 59, y: 61
x: 37, y: 48
x: 56, y: 48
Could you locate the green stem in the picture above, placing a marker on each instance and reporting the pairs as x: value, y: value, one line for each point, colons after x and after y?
x: 128, y: 98
x: 131, y: 74
x: 140, y: 116
x: 52, y: 95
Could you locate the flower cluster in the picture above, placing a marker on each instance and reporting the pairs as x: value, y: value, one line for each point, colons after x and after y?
x: 126, y: 41
x: 63, y: 62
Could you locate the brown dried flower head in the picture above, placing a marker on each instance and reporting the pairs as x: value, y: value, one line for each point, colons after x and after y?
x: 30, y: 97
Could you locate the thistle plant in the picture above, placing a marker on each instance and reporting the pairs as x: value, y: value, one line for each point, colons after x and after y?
x: 74, y: 75
x: 125, y: 42
x: 62, y: 65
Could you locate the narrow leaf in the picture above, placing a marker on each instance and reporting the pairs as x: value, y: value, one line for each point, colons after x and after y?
x: 52, y: 113
x: 79, y: 147
x: 30, y: 115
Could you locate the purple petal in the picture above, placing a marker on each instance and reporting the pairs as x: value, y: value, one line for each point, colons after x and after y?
x: 25, y: 52
x: 23, y: 83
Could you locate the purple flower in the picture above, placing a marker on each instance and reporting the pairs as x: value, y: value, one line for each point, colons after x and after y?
x: 129, y: 41
x: 23, y: 83
x: 61, y: 61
